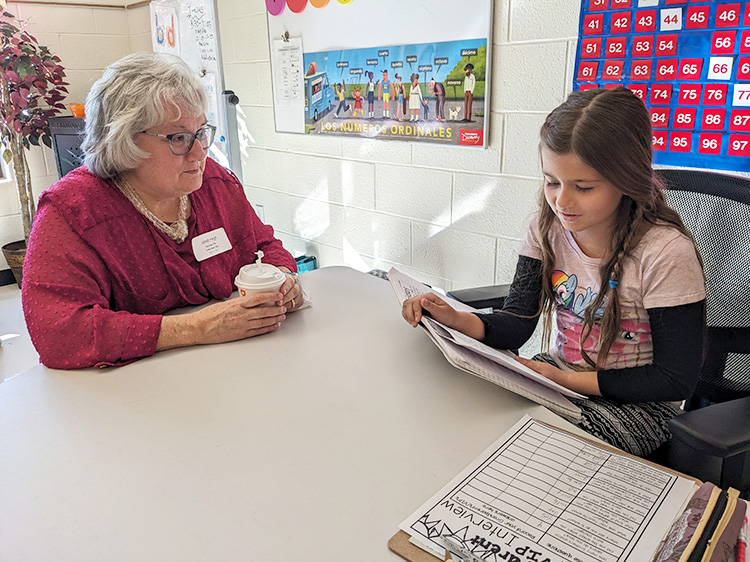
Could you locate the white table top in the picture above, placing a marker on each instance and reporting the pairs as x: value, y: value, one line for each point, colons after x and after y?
x: 312, y: 443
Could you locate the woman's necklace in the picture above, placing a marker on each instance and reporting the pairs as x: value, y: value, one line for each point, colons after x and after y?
x: 177, y: 231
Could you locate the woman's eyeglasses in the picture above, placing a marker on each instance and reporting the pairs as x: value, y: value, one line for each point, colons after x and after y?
x: 182, y: 143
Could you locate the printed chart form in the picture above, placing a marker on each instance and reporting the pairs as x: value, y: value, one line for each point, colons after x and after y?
x: 688, y: 61
x: 542, y: 490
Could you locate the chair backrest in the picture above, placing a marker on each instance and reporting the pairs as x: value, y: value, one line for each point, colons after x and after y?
x: 716, y: 210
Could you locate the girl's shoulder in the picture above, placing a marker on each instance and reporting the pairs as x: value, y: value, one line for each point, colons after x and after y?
x: 662, y: 236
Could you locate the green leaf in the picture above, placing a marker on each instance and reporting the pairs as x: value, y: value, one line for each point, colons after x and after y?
x: 47, y: 140
x: 33, y: 139
x: 7, y: 155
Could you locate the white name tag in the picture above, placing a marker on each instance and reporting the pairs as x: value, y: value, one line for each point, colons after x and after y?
x: 211, y: 244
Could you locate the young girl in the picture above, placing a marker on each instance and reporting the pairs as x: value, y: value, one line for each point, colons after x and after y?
x: 357, y: 95
x: 617, y: 268
x: 400, y: 91
x: 415, y: 97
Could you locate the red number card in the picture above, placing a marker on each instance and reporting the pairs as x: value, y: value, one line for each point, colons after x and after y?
x: 666, y: 45
x: 661, y: 94
x: 745, y: 42
x: 641, y: 69
x: 643, y: 46
x: 591, y: 48
x: 684, y: 118
x: 640, y: 90
x: 616, y: 47
x: 659, y: 117
x: 740, y: 121
x: 595, y: 5
x: 645, y: 21
x: 715, y: 94
x: 722, y: 42
x: 659, y: 140
x: 620, y: 4
x: 593, y: 24
x: 612, y: 70
x: 697, y: 17
x: 620, y: 22
x: 713, y: 119
x: 746, y: 18
x: 690, y: 94
x: 587, y: 71
x: 743, y: 68
x: 709, y: 143
x: 666, y: 69
x: 727, y: 15
x: 585, y: 87
x: 739, y: 145
x: 680, y: 142
x: 690, y: 69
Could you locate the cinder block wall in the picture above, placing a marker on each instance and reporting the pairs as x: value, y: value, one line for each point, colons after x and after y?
x: 451, y: 217
x: 87, y: 39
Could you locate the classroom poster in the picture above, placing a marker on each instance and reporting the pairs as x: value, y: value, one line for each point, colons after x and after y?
x: 387, y: 69
x: 690, y: 64
x: 401, y: 92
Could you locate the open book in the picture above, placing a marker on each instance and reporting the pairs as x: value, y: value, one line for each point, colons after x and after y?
x: 496, y: 366
x: 540, y: 493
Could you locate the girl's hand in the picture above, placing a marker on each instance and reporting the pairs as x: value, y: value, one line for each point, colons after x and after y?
x: 413, y: 309
x: 582, y: 382
x: 546, y: 370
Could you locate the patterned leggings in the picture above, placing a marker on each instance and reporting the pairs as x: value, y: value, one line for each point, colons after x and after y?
x: 637, y: 428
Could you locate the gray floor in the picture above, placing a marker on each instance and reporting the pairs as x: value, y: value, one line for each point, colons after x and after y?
x: 16, y: 354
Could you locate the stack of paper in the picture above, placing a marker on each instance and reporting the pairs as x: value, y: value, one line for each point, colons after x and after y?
x: 496, y: 366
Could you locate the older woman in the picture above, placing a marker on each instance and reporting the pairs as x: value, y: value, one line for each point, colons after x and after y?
x: 113, y: 243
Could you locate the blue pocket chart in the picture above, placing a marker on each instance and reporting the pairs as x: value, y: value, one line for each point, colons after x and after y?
x: 689, y: 61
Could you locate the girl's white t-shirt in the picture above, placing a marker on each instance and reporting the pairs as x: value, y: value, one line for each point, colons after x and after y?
x: 662, y: 271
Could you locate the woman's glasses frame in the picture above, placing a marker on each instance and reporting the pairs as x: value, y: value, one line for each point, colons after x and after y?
x: 205, y: 134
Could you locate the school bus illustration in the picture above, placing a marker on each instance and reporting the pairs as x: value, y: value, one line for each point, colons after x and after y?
x: 318, y: 96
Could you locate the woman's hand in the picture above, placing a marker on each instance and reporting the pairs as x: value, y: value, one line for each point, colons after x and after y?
x: 413, y: 309
x: 581, y: 382
x: 292, y: 291
x: 230, y: 320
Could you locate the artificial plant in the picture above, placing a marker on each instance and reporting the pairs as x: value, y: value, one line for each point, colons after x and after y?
x: 31, y: 92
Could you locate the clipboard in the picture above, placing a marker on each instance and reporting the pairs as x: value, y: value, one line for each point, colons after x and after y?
x: 726, y: 529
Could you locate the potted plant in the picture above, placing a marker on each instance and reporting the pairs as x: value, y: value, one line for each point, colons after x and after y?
x: 31, y: 91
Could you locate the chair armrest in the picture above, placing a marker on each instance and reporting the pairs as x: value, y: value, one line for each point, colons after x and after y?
x: 720, y: 430
x: 491, y: 296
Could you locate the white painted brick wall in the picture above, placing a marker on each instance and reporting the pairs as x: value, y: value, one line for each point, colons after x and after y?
x: 87, y: 39
x: 451, y: 217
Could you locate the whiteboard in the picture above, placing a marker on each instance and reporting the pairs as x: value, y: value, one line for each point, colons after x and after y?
x: 188, y: 29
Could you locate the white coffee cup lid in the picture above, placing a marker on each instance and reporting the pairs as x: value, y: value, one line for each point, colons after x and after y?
x: 259, y: 275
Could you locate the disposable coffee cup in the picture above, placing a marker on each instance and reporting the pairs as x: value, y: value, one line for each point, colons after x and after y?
x: 259, y: 278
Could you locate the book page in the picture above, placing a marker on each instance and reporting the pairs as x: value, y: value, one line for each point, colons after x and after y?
x: 406, y: 288
x: 502, y: 357
x: 487, y: 369
x: 539, y: 493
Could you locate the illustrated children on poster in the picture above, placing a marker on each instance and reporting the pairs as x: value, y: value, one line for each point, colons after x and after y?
x: 438, y: 90
x: 384, y: 92
x: 470, y: 83
x: 357, y: 95
x: 399, y: 91
x: 341, y: 93
x: 371, y: 96
x: 415, y: 98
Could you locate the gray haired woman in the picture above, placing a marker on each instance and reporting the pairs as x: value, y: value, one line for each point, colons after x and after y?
x: 119, y: 241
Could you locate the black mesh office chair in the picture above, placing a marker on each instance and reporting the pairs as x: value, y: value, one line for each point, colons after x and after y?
x: 712, y: 439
